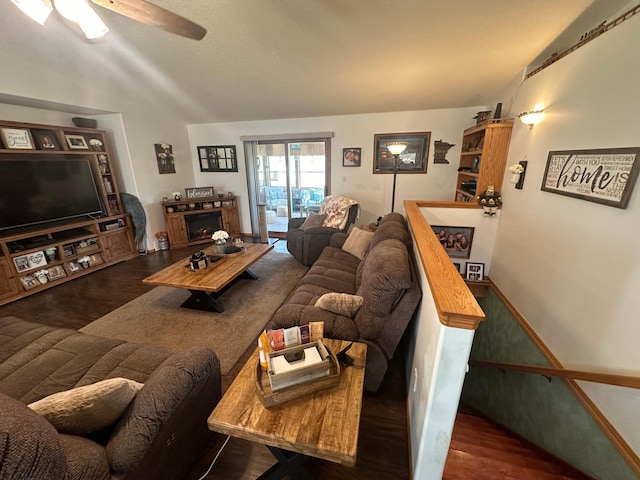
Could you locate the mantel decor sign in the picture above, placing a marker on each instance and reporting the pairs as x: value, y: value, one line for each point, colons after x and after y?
x: 605, y: 176
x: 413, y: 159
x: 199, y: 192
x: 218, y: 158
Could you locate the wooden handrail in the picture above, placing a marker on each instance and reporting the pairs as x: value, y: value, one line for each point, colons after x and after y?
x: 587, y: 376
x: 456, y: 305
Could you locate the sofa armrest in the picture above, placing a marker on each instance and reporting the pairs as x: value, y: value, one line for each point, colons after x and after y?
x: 165, y: 426
x: 338, y: 239
x: 295, y: 223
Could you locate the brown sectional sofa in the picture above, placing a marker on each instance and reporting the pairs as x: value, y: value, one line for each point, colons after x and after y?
x: 385, y: 278
x: 160, y: 434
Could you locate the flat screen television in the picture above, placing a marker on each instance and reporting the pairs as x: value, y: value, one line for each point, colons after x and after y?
x: 39, y: 191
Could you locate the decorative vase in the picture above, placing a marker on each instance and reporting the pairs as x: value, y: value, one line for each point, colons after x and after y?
x: 515, y: 178
x: 177, y: 197
x: 221, y: 246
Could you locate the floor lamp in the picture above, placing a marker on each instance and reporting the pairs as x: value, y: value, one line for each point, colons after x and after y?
x: 396, y: 148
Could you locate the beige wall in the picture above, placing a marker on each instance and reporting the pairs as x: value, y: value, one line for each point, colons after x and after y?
x: 372, y: 191
x: 572, y: 267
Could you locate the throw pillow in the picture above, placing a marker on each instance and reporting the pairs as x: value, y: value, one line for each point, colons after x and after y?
x: 340, y: 303
x: 357, y: 242
x: 90, y: 408
x: 313, y: 220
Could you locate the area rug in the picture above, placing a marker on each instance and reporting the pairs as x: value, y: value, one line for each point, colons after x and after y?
x: 155, y: 318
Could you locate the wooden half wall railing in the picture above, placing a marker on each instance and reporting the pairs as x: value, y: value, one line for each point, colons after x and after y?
x: 587, y: 376
x: 455, y: 304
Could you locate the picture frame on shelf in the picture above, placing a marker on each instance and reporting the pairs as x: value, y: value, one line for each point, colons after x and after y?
x: 56, y: 271
x: 95, y: 259
x: 21, y: 263
x: 198, y: 192
x: 37, y: 259
x: 456, y: 241
x: 45, y: 140
x: 74, y: 267
x: 413, y: 159
x: 16, y: 138
x: 458, y: 266
x: 76, y: 142
x: 605, y: 175
x: 474, y: 271
x: 29, y: 281
x: 351, y: 157
x: 217, y: 158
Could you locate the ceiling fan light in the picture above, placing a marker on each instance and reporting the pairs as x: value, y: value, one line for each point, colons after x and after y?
x: 80, y: 12
x: 37, y: 10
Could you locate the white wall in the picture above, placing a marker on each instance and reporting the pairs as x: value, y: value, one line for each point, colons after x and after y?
x: 572, y: 267
x: 372, y: 191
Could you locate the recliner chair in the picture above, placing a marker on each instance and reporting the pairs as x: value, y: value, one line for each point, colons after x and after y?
x: 306, y: 245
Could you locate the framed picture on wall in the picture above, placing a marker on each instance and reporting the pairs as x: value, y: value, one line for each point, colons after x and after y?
x: 474, y: 271
x: 412, y: 160
x: 218, y: 158
x: 605, y: 175
x: 455, y: 240
x: 351, y: 157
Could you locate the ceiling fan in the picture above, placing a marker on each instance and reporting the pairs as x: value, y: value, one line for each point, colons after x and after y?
x: 80, y: 12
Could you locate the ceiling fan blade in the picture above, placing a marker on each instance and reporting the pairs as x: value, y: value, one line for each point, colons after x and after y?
x: 151, y: 14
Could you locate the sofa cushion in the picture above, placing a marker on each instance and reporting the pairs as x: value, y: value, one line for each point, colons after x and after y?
x: 340, y: 303
x: 386, y: 275
x: 357, y: 242
x: 90, y: 408
x: 313, y: 220
x: 29, y: 445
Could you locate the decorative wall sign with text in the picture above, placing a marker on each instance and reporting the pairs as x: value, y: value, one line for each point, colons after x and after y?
x: 604, y: 176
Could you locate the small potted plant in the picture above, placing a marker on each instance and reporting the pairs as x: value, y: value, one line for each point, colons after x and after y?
x: 515, y: 170
x: 177, y: 195
x: 220, y: 237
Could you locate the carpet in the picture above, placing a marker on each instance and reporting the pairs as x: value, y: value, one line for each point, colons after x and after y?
x: 155, y: 318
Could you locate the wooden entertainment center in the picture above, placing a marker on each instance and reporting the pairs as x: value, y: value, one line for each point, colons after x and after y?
x: 38, y: 257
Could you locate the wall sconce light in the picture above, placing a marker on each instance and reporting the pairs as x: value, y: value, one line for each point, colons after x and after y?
x: 396, y: 148
x: 532, y: 117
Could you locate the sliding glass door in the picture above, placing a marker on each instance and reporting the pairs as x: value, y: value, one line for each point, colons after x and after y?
x: 292, y: 179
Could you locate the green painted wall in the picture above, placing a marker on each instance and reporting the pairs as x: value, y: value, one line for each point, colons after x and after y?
x: 542, y: 410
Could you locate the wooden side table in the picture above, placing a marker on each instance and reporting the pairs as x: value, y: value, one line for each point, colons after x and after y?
x: 324, y: 424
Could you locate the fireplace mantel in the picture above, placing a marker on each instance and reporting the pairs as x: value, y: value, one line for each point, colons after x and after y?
x: 180, y: 215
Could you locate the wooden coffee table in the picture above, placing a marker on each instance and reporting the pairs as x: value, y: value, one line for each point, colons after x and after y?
x: 323, y: 424
x: 206, y: 287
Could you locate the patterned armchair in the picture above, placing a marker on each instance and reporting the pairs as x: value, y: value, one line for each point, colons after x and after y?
x: 306, y: 244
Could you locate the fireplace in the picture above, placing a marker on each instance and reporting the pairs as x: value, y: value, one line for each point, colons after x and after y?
x: 200, y: 226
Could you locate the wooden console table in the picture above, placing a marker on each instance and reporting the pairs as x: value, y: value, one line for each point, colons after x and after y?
x: 177, y: 214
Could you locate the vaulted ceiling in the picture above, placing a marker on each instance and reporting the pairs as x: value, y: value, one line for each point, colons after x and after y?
x: 269, y: 59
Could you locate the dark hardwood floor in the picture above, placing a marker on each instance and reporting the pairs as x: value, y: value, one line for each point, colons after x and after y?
x: 479, y: 449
